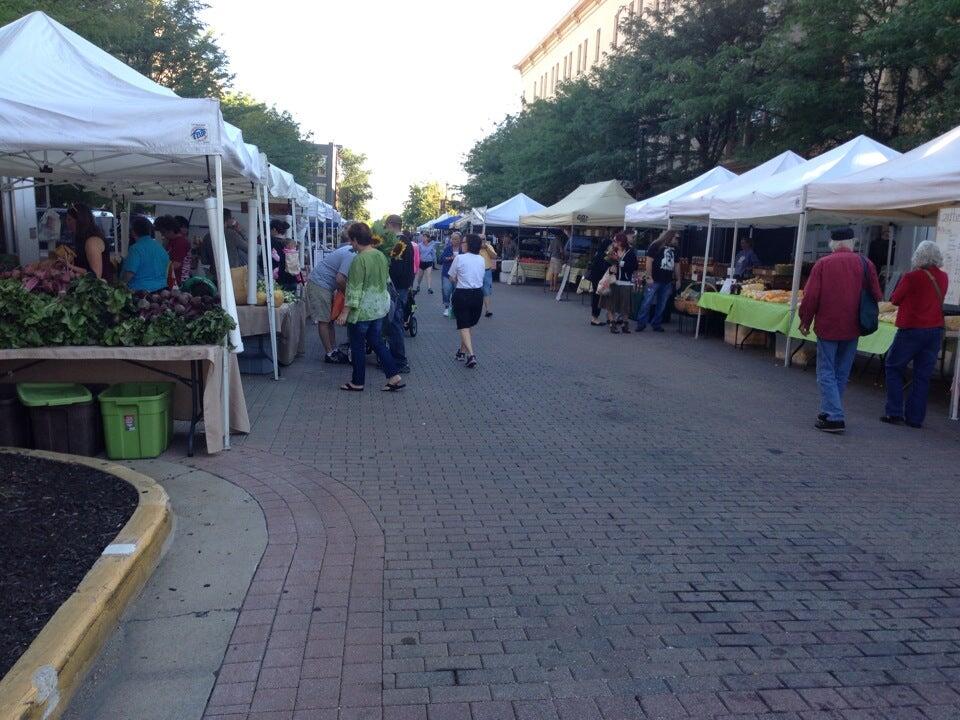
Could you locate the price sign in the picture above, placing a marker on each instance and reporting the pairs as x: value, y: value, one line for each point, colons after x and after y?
x: 948, y: 238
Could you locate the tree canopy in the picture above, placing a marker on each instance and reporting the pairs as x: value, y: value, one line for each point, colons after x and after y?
x: 733, y: 81
x: 276, y: 133
x: 353, y: 189
x: 422, y: 204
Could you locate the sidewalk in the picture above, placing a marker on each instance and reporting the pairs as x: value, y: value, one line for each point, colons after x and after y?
x: 589, y: 526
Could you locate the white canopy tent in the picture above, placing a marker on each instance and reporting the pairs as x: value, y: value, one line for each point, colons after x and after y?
x: 72, y: 113
x: 509, y: 212
x: 599, y: 204
x: 695, y: 207
x: 781, y: 200
x: 655, y: 211
x: 914, y: 186
x: 472, y: 217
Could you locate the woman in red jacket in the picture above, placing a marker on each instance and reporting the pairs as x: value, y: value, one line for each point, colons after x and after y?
x: 919, y: 297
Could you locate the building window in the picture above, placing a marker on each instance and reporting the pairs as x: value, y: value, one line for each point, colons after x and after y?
x: 616, y: 29
x: 579, y: 59
x: 596, y: 52
x: 586, y: 53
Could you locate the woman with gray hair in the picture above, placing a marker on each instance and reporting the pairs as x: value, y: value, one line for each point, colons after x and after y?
x: 919, y: 299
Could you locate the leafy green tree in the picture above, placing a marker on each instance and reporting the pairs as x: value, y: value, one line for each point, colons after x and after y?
x: 423, y: 204
x: 353, y: 188
x: 731, y: 81
x: 276, y: 133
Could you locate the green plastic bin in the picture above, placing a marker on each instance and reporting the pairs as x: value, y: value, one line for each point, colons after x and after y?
x: 63, y: 417
x: 137, y: 421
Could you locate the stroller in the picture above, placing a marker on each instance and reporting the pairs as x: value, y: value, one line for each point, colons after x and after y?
x: 410, y: 313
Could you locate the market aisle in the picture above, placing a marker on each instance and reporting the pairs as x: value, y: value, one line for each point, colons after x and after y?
x: 561, y: 534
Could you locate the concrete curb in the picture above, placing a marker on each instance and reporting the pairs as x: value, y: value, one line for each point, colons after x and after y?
x: 41, y: 683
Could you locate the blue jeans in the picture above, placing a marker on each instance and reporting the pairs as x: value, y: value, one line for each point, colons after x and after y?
x: 362, y: 333
x: 446, y: 289
x: 488, y: 283
x: 395, y: 329
x: 834, y: 363
x: 921, y: 346
x: 656, y: 297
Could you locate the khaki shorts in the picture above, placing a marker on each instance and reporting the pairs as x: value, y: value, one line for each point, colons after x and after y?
x: 319, y: 303
x: 554, y: 268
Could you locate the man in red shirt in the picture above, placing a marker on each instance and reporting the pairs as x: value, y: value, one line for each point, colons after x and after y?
x: 831, y: 299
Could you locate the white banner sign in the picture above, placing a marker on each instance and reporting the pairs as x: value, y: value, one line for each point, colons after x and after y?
x: 948, y: 238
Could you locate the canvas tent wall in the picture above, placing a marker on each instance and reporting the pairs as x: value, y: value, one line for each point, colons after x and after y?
x: 509, y: 212
x: 694, y: 207
x: 778, y: 201
x: 655, y: 211
x: 913, y: 186
x: 598, y: 204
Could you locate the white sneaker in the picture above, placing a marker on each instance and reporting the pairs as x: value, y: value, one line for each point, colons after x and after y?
x: 446, y: 313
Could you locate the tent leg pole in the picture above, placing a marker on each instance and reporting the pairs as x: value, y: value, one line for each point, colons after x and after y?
x: 795, y: 285
x: 268, y: 272
x: 113, y: 209
x: 733, y: 254
x: 888, y: 289
x: 955, y: 385
x: 252, y: 213
x: 224, y: 272
x: 703, y: 277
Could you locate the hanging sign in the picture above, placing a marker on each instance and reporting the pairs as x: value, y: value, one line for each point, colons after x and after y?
x: 948, y: 238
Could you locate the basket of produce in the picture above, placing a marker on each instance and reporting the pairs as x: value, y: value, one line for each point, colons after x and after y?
x: 689, y: 298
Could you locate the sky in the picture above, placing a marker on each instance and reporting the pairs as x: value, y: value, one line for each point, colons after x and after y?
x: 410, y: 83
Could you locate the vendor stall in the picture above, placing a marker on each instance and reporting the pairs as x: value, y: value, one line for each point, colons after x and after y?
x: 598, y: 204
x: 781, y: 200
x: 89, y: 120
x: 922, y: 185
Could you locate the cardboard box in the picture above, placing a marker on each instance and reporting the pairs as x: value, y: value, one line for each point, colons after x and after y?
x: 734, y: 334
x: 806, y: 356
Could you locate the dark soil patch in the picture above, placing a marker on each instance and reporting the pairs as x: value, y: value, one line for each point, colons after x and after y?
x: 55, y: 521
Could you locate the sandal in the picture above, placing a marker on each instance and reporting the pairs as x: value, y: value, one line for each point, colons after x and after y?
x: 390, y: 387
x: 350, y: 387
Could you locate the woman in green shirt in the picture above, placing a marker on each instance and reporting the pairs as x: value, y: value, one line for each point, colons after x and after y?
x: 367, y: 304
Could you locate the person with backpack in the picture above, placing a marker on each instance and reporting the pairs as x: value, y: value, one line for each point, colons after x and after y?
x: 831, y: 299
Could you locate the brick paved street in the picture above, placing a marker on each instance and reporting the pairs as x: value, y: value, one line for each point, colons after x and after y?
x: 563, y: 533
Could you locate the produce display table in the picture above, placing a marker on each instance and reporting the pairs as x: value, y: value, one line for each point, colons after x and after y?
x: 291, y: 319
x: 197, y: 370
x: 717, y: 302
x: 758, y: 315
x: 774, y: 317
x: 874, y: 344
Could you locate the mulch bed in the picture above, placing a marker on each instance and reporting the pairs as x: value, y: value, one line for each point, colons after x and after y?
x: 55, y: 521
